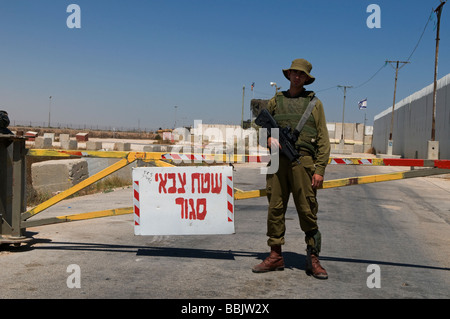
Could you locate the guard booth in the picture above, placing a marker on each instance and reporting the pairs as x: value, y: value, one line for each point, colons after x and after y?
x: 12, y: 189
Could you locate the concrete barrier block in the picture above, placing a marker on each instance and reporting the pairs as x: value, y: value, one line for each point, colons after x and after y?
x: 148, y: 148
x: 152, y: 148
x: 69, y: 144
x: 96, y: 165
x: 42, y: 142
x: 58, y: 175
x: 122, y: 147
x: 64, y: 137
x: 358, y: 132
x: 358, y: 148
x: 433, y: 150
x: 50, y: 135
x: 93, y: 146
x: 157, y: 148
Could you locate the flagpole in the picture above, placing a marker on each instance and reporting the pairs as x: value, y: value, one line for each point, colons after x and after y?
x: 242, y: 117
x: 253, y: 97
x: 363, y: 105
x: 364, y: 133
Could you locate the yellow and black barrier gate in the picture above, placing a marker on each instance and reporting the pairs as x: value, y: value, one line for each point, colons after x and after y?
x: 15, y: 218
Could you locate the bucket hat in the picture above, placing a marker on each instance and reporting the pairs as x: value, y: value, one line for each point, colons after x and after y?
x: 301, y: 65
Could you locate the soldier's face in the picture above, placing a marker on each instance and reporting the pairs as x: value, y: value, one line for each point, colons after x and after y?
x: 298, y: 78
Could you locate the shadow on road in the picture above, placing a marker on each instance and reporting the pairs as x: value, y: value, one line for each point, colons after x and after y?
x: 292, y: 259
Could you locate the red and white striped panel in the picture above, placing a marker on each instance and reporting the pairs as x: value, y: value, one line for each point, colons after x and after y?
x: 183, y: 157
x: 137, y: 212
x: 340, y: 161
x: 230, y: 198
x: 348, y: 161
x: 365, y: 161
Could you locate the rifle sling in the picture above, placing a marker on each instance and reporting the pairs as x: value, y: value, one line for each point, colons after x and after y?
x: 306, y: 115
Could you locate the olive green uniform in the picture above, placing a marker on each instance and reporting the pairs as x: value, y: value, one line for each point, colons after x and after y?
x: 314, y: 146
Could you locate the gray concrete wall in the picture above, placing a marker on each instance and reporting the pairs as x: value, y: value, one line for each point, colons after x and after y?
x: 96, y: 165
x: 413, y: 122
x: 357, y: 137
x: 58, y: 175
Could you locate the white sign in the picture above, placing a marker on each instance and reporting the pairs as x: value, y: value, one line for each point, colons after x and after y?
x: 183, y: 200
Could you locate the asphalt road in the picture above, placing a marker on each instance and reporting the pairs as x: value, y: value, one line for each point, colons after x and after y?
x: 401, y: 227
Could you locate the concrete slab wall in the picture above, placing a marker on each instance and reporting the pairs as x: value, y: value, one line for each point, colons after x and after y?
x: 96, y: 165
x: 58, y: 175
x: 355, y: 135
x: 413, y: 122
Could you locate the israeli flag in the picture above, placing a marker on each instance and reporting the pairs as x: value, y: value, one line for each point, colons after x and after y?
x: 362, y: 104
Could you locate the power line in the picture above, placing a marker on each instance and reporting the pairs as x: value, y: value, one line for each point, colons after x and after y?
x: 332, y: 87
x: 420, y: 38
x: 383, y: 66
x: 358, y: 86
x: 407, y: 60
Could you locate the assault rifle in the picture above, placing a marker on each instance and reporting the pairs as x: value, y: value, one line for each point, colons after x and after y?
x: 287, y: 138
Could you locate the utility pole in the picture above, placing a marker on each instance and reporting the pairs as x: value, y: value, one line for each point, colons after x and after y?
x: 49, y: 109
x: 433, y: 145
x: 242, y: 116
x: 390, y: 142
x: 175, y: 123
x: 438, y: 13
x: 343, y: 110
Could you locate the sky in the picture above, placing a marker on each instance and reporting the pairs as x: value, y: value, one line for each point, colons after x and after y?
x: 166, y: 63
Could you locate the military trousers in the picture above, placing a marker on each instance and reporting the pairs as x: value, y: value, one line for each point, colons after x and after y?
x: 296, y: 179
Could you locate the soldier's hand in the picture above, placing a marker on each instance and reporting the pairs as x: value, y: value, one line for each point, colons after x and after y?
x: 317, y: 181
x: 273, y: 142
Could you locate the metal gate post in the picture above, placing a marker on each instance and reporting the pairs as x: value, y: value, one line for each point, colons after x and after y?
x: 12, y: 189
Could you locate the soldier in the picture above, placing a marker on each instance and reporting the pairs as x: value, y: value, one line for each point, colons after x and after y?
x: 302, y: 180
x: 4, y: 122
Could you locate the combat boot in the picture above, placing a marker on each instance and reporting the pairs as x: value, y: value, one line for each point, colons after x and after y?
x: 275, y: 261
x: 313, y: 266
